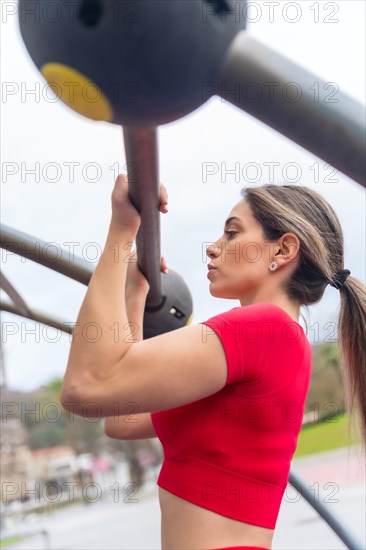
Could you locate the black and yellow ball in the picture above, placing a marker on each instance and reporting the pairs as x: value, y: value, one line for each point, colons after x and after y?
x: 131, y: 62
x: 176, y: 310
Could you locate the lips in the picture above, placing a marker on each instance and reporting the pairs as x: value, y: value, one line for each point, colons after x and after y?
x: 211, y: 270
x: 209, y: 267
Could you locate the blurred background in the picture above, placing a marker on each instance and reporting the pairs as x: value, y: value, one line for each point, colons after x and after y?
x: 58, y: 171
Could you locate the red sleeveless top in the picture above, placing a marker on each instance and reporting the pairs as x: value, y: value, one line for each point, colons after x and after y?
x: 231, y: 451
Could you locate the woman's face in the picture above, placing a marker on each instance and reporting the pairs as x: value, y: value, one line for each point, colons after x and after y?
x: 241, y: 257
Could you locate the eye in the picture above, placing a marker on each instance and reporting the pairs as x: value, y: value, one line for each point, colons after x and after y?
x: 231, y: 233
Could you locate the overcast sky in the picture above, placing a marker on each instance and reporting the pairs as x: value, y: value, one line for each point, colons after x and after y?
x: 37, y: 130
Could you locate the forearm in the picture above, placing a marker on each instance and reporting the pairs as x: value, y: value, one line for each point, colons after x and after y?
x: 102, y: 334
x: 119, y: 426
x: 135, y: 313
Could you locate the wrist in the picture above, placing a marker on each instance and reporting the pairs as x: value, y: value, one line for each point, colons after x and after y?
x: 135, y: 298
x: 135, y: 309
x: 116, y: 227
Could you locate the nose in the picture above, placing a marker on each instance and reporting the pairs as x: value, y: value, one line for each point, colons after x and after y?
x: 212, y: 250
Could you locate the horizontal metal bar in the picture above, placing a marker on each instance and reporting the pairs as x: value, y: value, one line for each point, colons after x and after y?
x: 298, y: 104
x: 37, y: 250
x: 36, y: 315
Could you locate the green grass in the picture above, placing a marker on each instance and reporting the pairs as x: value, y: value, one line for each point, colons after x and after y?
x: 9, y: 540
x: 330, y: 434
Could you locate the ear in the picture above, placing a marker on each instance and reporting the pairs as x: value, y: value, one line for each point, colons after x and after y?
x: 289, y: 247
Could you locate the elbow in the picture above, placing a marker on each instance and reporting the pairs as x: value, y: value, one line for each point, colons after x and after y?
x: 110, y: 428
x: 85, y: 397
x: 107, y: 428
x: 73, y: 397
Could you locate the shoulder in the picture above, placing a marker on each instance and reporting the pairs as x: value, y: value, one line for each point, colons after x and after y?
x: 262, y: 322
x: 254, y: 313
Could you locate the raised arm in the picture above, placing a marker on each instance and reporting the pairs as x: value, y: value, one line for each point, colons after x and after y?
x: 107, y: 367
x: 133, y: 425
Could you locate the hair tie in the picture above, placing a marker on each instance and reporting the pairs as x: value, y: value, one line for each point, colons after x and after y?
x: 340, y: 278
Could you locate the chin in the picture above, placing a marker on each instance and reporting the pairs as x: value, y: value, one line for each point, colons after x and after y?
x: 222, y: 293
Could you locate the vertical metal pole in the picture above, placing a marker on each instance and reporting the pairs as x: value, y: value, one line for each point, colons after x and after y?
x: 144, y: 189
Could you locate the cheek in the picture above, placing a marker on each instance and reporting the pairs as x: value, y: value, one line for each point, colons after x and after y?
x: 251, y: 253
x: 254, y: 258
x: 246, y: 273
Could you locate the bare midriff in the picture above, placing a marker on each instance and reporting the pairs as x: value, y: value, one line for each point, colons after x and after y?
x: 186, y: 525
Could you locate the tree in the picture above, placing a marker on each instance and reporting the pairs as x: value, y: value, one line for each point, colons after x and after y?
x: 325, y: 396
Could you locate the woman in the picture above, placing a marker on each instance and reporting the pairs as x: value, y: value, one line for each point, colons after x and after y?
x: 226, y: 397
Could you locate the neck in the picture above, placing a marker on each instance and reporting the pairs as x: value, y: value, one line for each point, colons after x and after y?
x: 292, y: 308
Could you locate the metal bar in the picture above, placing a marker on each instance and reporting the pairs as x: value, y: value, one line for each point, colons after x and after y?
x: 298, y: 104
x: 38, y: 251
x: 36, y: 315
x: 13, y: 294
x: 144, y: 189
x: 334, y: 523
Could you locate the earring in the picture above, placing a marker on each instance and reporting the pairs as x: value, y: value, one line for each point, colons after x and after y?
x: 273, y: 266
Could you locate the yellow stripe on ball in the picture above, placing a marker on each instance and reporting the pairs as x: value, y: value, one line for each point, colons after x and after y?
x: 77, y: 91
x: 189, y: 319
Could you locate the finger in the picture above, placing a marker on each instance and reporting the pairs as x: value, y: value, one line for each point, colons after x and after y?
x: 163, y: 195
x: 164, y: 267
x: 120, y: 183
x: 163, y: 199
x: 121, y: 179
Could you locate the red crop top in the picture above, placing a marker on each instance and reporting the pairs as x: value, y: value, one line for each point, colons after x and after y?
x: 231, y: 451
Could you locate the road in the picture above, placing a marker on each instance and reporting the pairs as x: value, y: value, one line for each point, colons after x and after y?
x: 337, y: 477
